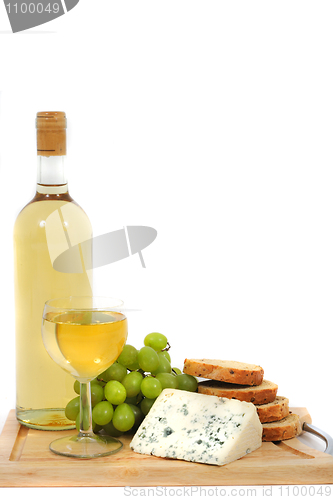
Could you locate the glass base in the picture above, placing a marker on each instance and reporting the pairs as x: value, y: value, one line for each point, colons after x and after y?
x: 86, y: 446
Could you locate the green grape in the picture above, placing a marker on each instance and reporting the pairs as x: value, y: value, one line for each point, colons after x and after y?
x: 77, y: 422
x: 135, y: 400
x: 129, y: 356
x: 134, y: 366
x: 148, y: 359
x: 151, y: 387
x: 187, y: 382
x: 138, y: 415
x: 139, y: 397
x: 115, y: 392
x: 167, y: 380
x: 131, y: 401
x: 94, y: 381
x: 73, y: 408
x: 97, y: 394
x: 146, y: 404
x: 132, y: 383
x: 95, y: 427
x: 111, y: 430
x: 176, y: 370
x: 98, y: 382
x: 102, y: 413
x: 123, y: 418
x: 164, y: 365
x: 114, y: 372
x: 166, y: 354
x: 85, y: 421
x: 157, y: 341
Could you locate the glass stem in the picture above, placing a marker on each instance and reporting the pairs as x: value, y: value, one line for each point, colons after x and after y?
x: 85, y: 410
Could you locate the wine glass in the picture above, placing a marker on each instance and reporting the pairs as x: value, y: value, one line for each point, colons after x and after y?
x: 84, y: 335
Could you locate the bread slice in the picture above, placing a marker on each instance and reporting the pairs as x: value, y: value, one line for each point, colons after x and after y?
x: 286, y: 428
x: 257, y: 394
x: 271, y: 412
x: 232, y: 372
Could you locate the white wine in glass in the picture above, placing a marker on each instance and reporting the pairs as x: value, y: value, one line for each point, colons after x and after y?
x: 84, y: 335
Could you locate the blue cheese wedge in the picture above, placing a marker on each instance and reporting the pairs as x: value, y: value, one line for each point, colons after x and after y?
x: 198, y: 428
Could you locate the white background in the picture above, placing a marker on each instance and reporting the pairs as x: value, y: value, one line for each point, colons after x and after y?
x: 213, y: 123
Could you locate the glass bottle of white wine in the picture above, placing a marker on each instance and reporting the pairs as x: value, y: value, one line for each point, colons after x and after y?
x: 46, y: 227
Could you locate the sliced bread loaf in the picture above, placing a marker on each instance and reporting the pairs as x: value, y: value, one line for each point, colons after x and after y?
x: 232, y: 372
x: 286, y: 428
x: 258, y: 394
x: 271, y: 412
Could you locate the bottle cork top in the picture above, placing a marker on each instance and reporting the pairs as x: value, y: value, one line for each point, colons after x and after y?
x: 51, y: 133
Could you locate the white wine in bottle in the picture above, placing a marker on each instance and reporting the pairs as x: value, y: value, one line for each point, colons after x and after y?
x: 47, y: 226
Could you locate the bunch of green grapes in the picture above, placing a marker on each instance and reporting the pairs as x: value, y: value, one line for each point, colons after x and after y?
x: 123, y: 394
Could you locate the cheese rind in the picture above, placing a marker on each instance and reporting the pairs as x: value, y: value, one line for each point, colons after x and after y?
x: 198, y: 428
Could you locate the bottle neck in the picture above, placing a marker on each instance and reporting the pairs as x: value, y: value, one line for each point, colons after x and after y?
x: 51, y: 176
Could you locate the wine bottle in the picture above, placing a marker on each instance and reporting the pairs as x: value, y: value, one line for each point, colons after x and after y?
x: 48, y: 225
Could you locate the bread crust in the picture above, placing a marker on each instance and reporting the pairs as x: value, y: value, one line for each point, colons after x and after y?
x: 258, y: 395
x: 287, y: 428
x: 272, y: 412
x: 232, y: 372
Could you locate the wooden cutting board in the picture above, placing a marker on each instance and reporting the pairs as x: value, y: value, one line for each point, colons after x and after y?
x: 25, y: 460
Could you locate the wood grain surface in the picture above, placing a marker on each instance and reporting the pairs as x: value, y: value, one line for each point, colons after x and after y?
x: 25, y: 460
